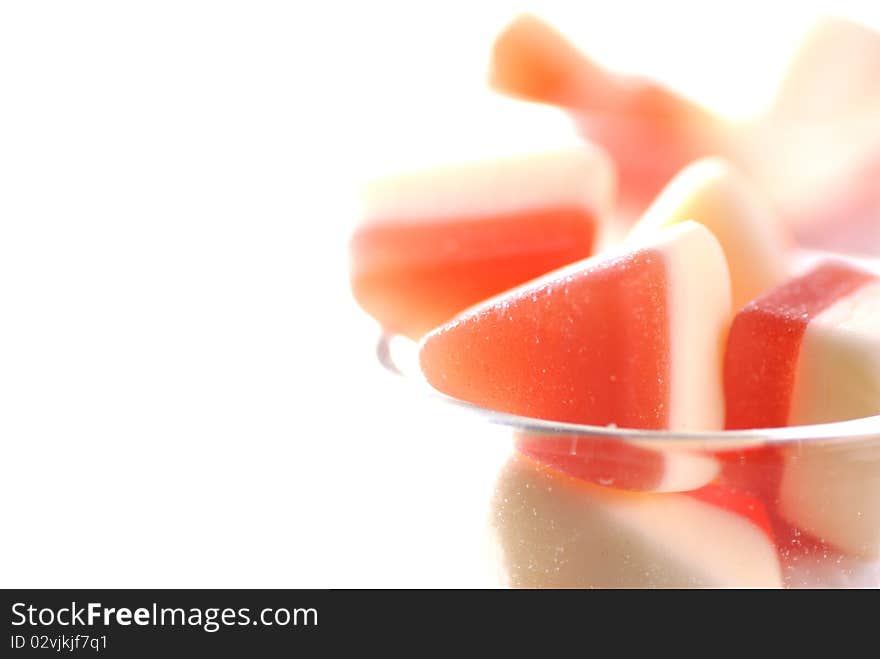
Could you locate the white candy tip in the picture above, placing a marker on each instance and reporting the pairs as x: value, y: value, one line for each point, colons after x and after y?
x: 578, y: 176
x: 716, y: 194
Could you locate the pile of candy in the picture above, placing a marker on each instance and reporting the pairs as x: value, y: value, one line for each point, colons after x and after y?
x: 527, y: 298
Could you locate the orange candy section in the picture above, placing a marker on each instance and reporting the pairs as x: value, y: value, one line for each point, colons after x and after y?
x: 533, y: 61
x: 588, y: 344
x: 413, y: 276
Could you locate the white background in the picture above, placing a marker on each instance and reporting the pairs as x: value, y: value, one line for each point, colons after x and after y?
x: 188, y: 395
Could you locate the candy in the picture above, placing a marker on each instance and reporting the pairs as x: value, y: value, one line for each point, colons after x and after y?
x: 822, y: 130
x: 712, y: 192
x: 555, y: 531
x: 832, y: 491
x: 846, y: 218
x: 531, y: 60
x: 650, y: 131
x: 648, y: 466
x: 632, y: 338
x: 806, y: 352
x: 817, y: 151
x: 438, y: 241
x: 827, y: 489
x: 835, y: 74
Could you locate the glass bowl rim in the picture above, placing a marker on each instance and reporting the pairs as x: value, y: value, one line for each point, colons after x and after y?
x: 849, y: 431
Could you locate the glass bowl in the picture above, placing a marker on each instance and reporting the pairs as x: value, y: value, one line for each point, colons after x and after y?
x: 577, y: 506
x: 586, y: 506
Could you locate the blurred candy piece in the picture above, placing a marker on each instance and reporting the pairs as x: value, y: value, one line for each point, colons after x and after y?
x: 806, y: 352
x: 531, y: 60
x: 632, y: 338
x: 621, y: 464
x: 847, y: 218
x: 811, y: 170
x: 713, y: 193
x: 834, y: 75
x: 817, y: 150
x: 437, y: 241
x: 650, y: 131
x: 555, y: 531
